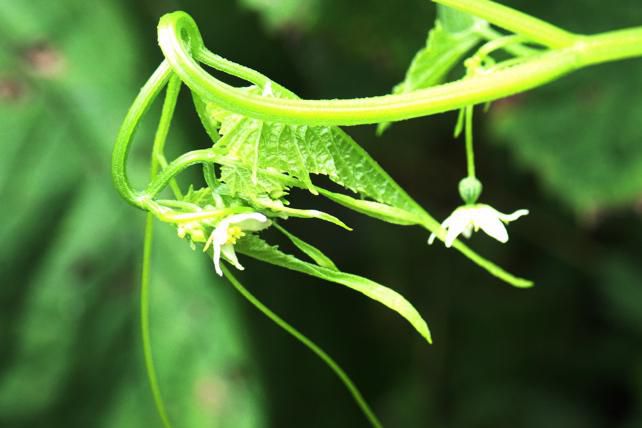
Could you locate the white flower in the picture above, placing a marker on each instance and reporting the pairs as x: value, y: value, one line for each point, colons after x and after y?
x: 467, y: 218
x: 193, y: 229
x: 228, y: 231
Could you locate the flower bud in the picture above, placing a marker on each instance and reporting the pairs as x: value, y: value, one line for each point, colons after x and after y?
x: 469, y: 189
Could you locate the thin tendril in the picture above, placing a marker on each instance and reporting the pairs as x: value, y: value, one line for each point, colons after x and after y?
x: 159, y: 161
x: 354, y: 391
x: 500, y: 43
x: 157, y: 157
x: 518, y: 49
x: 144, y: 322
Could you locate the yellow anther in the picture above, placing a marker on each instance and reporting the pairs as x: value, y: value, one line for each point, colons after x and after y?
x: 234, y: 233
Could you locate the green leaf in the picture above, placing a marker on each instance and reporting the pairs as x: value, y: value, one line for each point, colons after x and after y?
x: 620, y: 291
x: 71, y: 246
x: 453, y: 35
x: 376, y: 210
x: 239, y: 181
x: 311, y: 251
x: 281, y: 13
x: 298, y: 151
x: 60, y: 219
x: 200, y: 197
x: 54, y: 304
x: 254, y: 246
x: 455, y: 21
x: 291, y: 153
x: 581, y: 137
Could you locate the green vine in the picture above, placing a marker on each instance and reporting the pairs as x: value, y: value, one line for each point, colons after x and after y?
x: 267, y: 143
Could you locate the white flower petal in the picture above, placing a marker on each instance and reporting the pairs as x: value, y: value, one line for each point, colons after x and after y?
x: 460, y: 221
x: 468, y: 230
x: 512, y: 217
x: 217, y: 259
x: 230, y: 255
x: 431, y: 238
x: 252, y: 222
x: 467, y: 219
x: 220, y: 236
x: 444, y: 225
x: 493, y: 227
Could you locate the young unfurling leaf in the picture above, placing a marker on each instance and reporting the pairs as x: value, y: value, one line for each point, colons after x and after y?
x: 453, y: 35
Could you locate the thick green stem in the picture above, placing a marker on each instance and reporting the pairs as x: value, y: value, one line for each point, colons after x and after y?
x: 181, y: 42
x: 178, y: 51
x: 611, y: 46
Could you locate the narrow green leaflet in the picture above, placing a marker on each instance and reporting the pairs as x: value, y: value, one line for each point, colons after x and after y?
x: 279, y: 207
x: 255, y: 247
x: 453, y: 35
x: 376, y: 210
x: 311, y: 251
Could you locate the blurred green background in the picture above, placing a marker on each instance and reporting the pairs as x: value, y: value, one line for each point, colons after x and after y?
x: 567, y: 353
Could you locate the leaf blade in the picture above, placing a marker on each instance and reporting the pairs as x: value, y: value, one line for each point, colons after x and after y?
x: 453, y: 35
x: 311, y: 251
x: 257, y: 248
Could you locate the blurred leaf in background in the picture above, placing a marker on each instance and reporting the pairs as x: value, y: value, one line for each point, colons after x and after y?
x: 70, y: 351
x: 581, y: 136
x: 285, y: 13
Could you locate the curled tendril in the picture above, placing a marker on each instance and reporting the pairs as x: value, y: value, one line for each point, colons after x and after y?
x: 139, y: 107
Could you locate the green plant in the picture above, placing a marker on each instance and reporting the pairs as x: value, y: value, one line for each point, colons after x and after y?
x: 268, y: 142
